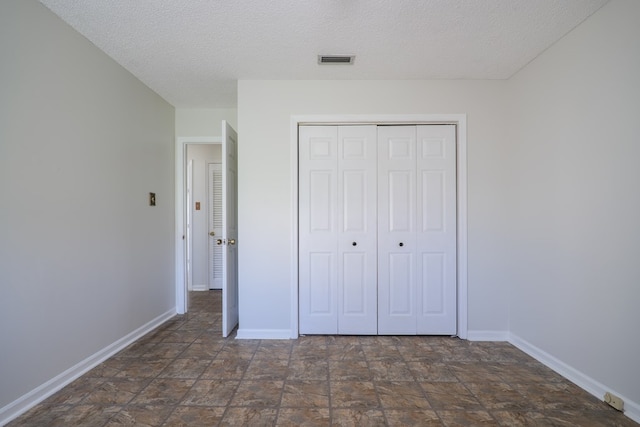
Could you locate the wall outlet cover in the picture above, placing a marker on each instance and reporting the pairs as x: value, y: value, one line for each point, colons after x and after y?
x: 614, y: 401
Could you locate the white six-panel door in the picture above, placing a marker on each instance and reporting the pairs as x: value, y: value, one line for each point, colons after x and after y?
x: 337, y: 252
x: 377, y: 229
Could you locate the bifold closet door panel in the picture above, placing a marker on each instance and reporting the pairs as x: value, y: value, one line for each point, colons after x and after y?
x: 337, y: 230
x: 397, y: 230
x: 436, y: 231
x: 318, y: 230
x: 417, y: 284
x: 357, y: 243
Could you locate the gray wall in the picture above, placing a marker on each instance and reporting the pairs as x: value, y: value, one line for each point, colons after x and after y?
x: 266, y: 177
x: 574, y: 202
x: 84, y: 260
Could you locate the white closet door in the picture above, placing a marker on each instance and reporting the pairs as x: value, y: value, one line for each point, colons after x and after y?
x: 436, y: 230
x: 318, y: 230
x: 377, y: 230
x: 337, y: 230
x: 357, y: 260
x: 417, y: 284
x: 397, y: 230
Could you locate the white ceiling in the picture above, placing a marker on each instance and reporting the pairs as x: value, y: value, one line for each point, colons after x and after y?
x: 192, y: 52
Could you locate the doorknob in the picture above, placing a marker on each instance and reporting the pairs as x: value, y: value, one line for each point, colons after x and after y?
x: 232, y: 241
x: 219, y: 242
x: 212, y: 233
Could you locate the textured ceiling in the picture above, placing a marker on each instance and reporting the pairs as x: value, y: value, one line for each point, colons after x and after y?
x: 192, y: 52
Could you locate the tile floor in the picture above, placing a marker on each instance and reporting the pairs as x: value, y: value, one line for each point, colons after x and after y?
x: 185, y: 374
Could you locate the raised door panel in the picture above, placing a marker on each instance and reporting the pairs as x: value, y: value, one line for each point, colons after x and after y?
x: 357, y: 193
x: 318, y: 230
x: 436, y: 234
x: 396, y: 230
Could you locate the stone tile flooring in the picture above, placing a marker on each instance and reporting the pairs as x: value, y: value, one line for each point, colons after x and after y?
x: 185, y: 374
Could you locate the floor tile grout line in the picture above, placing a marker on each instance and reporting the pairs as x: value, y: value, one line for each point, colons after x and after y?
x: 244, y: 373
x: 375, y: 388
x: 284, y: 383
x: 157, y: 376
x: 425, y: 394
x: 192, y: 385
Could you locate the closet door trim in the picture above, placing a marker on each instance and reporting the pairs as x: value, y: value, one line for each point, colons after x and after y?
x: 460, y: 121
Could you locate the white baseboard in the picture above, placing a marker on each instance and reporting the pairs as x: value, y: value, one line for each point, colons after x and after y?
x: 263, y: 334
x: 487, y: 335
x: 38, y: 394
x: 201, y: 287
x: 631, y: 409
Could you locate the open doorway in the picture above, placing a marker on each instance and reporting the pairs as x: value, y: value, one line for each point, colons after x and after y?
x: 193, y: 156
x: 203, y: 214
x: 194, y: 227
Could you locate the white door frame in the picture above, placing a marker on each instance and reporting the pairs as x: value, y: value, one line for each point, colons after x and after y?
x: 180, y: 203
x: 460, y: 120
x: 188, y: 219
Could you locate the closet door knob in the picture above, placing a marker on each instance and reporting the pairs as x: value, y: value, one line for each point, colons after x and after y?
x: 354, y: 244
x: 401, y: 244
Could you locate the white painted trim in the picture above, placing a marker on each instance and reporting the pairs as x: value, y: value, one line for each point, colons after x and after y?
x: 461, y: 205
x: 294, y: 227
x: 38, y: 394
x: 597, y: 389
x: 488, y: 335
x: 180, y: 255
x: 460, y: 120
x: 263, y: 334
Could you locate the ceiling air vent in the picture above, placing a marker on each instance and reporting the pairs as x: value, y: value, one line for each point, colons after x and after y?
x: 336, y: 59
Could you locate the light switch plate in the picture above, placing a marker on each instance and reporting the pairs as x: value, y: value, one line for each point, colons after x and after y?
x: 152, y: 199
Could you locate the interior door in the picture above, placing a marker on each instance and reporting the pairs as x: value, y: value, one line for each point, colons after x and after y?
x: 228, y: 240
x: 337, y: 230
x: 417, y: 262
x: 377, y: 230
x: 215, y: 224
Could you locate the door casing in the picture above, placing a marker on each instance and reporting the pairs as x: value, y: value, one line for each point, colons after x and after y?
x: 460, y: 120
